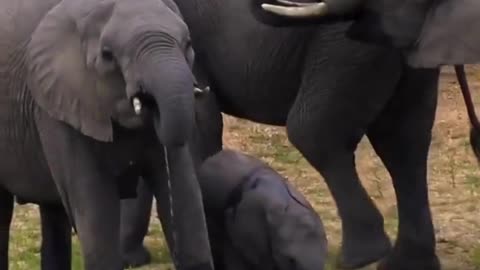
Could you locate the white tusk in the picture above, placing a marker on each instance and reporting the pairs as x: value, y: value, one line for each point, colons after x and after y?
x: 312, y: 10
x: 293, y: 4
x: 137, y: 105
x: 197, y: 90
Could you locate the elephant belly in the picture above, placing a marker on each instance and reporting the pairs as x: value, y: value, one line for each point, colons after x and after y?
x: 23, y: 168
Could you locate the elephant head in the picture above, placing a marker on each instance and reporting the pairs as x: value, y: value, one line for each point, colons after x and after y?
x: 86, y: 56
x: 431, y: 33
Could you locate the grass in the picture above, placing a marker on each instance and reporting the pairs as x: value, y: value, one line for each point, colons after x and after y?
x: 454, y: 178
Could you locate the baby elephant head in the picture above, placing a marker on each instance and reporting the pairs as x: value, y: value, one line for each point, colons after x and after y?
x: 297, y: 234
x: 87, y: 55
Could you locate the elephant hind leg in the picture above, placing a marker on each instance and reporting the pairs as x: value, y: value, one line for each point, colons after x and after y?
x: 56, y: 238
x: 6, y: 212
x: 401, y: 138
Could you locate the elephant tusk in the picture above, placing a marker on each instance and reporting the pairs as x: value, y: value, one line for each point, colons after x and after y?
x: 137, y: 105
x: 293, y: 4
x: 198, y: 91
x: 298, y: 11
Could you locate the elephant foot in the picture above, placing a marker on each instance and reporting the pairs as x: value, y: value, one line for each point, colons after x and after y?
x: 361, y: 250
x: 405, y: 262
x: 136, y: 258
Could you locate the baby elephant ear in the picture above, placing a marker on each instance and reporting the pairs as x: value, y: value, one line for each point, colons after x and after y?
x: 297, y: 196
x: 450, y: 35
x: 62, y: 84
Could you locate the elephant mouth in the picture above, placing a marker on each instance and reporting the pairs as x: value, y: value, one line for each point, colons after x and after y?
x: 142, y: 102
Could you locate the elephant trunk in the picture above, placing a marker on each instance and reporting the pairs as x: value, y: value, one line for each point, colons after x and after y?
x: 189, y: 242
x: 169, y: 80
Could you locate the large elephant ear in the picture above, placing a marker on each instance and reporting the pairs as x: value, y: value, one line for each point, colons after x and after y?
x: 450, y: 35
x: 62, y: 76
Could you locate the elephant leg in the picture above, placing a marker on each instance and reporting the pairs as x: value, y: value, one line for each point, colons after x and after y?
x: 6, y: 212
x: 135, y: 218
x: 88, y: 193
x: 401, y: 137
x: 56, y: 248
x: 337, y: 102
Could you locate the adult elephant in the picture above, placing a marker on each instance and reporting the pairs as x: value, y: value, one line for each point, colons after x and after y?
x: 68, y: 72
x: 329, y: 91
x: 431, y: 33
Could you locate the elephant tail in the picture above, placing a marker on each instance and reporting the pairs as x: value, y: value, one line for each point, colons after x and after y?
x: 472, y: 116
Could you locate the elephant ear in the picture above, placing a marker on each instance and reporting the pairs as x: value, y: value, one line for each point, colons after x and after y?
x: 450, y: 35
x: 297, y: 196
x: 61, y: 72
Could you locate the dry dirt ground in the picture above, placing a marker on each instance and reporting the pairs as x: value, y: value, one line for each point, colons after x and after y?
x: 454, y: 178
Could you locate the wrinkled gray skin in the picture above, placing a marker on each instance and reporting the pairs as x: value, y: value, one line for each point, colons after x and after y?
x: 256, y: 219
x: 69, y: 134
x: 431, y: 33
x: 329, y: 91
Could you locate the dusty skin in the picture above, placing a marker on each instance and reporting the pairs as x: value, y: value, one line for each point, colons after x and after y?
x: 453, y: 174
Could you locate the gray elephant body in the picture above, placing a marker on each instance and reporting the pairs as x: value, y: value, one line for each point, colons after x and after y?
x: 329, y: 91
x: 69, y: 133
x: 20, y: 137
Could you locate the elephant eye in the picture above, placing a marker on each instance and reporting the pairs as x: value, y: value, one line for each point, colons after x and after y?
x: 107, y: 54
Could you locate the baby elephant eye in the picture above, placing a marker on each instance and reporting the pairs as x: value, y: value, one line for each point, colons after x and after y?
x: 107, y: 54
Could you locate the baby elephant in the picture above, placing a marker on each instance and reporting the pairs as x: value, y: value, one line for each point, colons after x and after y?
x: 256, y: 219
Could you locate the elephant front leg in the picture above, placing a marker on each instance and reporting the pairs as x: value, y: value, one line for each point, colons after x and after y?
x: 88, y: 193
x: 135, y: 218
x: 97, y: 219
x: 401, y: 137
x: 336, y: 103
x: 6, y: 211
x: 56, y: 249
